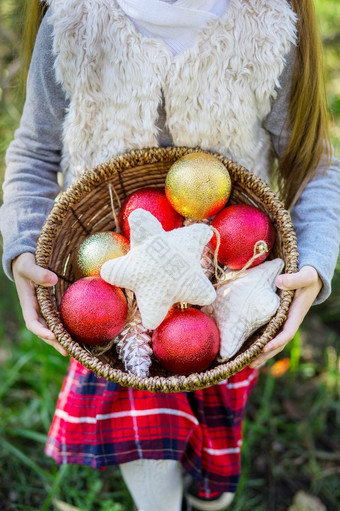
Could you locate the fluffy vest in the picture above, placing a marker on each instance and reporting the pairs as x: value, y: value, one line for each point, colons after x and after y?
x: 216, y: 93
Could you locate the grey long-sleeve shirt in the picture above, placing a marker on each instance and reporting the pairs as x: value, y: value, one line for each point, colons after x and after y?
x: 33, y: 161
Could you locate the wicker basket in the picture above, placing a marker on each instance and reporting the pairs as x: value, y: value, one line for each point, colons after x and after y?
x: 85, y: 208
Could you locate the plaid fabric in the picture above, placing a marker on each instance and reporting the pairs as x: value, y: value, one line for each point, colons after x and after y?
x: 100, y: 423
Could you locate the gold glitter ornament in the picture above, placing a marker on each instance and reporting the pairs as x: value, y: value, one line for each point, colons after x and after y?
x: 96, y: 250
x: 198, y: 185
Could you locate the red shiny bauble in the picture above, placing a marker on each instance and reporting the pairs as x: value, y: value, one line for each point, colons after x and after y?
x: 240, y: 226
x: 186, y: 342
x: 93, y: 311
x: 153, y: 200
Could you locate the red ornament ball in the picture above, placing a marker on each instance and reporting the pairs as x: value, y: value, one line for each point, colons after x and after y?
x: 240, y: 227
x: 93, y: 311
x: 186, y: 342
x: 153, y: 200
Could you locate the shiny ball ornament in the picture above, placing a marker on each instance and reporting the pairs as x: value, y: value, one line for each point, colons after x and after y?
x: 186, y: 342
x: 153, y: 200
x: 198, y: 185
x: 92, y: 311
x: 240, y: 227
x: 96, y: 250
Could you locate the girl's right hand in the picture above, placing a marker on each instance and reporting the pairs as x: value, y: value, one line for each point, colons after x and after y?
x: 26, y: 273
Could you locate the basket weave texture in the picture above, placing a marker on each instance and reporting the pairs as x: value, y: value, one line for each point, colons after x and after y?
x: 85, y: 208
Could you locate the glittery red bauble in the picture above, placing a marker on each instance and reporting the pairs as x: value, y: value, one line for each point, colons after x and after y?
x: 240, y: 226
x: 93, y: 311
x: 186, y: 342
x: 153, y: 200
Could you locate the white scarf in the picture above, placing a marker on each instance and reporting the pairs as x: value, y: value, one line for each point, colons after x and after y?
x: 177, y: 23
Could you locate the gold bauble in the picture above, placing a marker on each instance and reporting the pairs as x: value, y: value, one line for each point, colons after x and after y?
x: 95, y: 250
x: 198, y: 185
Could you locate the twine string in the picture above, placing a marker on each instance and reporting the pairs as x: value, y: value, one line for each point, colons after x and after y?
x: 217, y: 267
x: 260, y: 248
x: 207, y: 262
x: 115, y: 218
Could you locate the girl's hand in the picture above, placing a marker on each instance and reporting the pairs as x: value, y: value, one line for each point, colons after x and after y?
x: 26, y: 273
x: 307, y: 284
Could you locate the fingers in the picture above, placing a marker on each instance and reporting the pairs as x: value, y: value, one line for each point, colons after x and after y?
x: 296, y: 315
x: 24, y: 266
x: 262, y: 359
x: 297, y: 312
x: 279, y: 342
x: 307, y: 276
x: 26, y: 274
x: 307, y: 285
x: 31, y: 314
x: 35, y: 326
x: 38, y: 327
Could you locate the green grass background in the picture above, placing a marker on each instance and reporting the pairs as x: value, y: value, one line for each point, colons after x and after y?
x: 291, y: 434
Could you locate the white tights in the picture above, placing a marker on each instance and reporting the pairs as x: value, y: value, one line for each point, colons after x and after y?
x: 155, y: 485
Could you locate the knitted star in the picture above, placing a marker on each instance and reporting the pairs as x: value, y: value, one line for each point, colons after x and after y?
x: 162, y: 267
x: 245, y: 304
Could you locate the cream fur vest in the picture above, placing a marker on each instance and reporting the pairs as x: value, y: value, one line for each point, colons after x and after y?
x: 216, y: 93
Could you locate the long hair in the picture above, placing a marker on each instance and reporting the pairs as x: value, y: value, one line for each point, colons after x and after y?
x: 34, y: 11
x: 309, y: 143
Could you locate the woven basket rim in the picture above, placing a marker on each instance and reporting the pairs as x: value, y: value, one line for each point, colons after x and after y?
x: 99, y: 175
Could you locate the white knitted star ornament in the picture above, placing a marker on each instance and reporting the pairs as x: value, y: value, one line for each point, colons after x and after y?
x: 162, y: 268
x: 245, y: 304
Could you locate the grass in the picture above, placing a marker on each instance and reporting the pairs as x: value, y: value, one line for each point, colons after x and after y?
x: 291, y: 440
x: 33, y: 374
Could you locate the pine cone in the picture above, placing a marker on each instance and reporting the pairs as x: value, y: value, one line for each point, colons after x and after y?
x: 134, y: 347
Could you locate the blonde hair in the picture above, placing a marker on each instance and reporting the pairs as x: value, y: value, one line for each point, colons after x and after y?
x: 309, y: 143
x: 34, y: 11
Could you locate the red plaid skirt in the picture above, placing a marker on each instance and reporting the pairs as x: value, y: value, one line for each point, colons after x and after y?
x: 100, y: 423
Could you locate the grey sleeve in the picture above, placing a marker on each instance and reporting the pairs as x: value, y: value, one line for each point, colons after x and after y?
x: 316, y: 215
x: 33, y: 157
x: 316, y: 219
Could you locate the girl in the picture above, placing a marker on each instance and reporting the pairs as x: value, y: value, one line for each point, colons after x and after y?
x: 240, y: 77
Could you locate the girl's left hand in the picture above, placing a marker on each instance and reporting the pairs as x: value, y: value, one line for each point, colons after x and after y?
x: 307, y: 284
